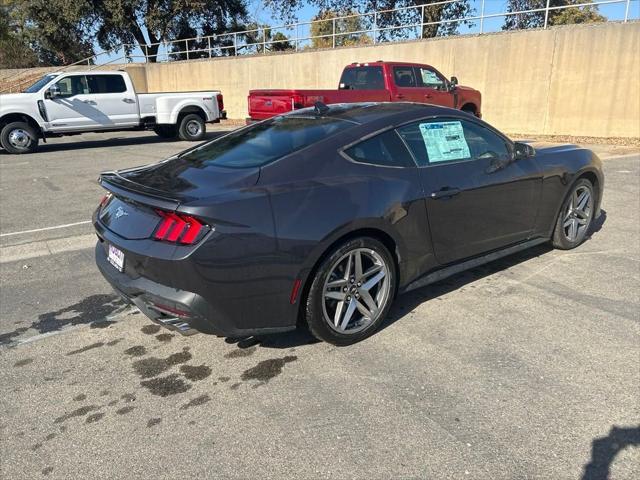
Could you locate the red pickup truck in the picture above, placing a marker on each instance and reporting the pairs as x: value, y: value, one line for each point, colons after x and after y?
x: 372, y: 82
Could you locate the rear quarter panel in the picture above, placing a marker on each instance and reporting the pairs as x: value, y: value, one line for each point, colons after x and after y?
x: 167, y: 106
x: 318, y: 197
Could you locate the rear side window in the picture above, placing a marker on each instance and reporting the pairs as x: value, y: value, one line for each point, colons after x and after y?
x: 386, y: 150
x: 106, y: 84
x: 362, y: 78
x: 404, y: 77
x: 266, y: 141
x: 452, y: 140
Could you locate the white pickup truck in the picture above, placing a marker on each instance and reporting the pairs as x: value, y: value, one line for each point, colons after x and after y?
x: 70, y: 103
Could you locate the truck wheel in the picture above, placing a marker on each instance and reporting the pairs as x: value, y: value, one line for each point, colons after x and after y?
x: 19, y: 137
x: 192, y: 128
x: 166, y: 131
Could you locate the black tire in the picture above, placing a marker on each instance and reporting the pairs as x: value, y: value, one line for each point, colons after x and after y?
x: 469, y: 109
x: 166, y: 131
x: 314, y: 313
x: 19, y: 137
x: 192, y: 128
x: 562, y: 238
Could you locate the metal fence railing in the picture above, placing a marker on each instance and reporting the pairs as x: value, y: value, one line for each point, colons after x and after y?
x: 368, y: 28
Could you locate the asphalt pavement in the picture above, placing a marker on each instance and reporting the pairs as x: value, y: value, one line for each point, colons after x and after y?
x: 528, y: 367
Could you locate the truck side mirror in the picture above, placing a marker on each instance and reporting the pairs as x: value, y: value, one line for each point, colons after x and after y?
x: 52, y: 92
x: 453, y: 83
x: 343, y: 86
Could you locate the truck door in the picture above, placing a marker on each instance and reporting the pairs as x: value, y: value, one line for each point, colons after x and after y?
x: 407, y: 90
x: 433, y: 87
x: 72, y: 108
x: 115, y: 104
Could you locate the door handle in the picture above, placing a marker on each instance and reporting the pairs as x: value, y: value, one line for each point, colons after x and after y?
x: 445, y: 193
x: 399, y: 95
x: 128, y: 100
x: 89, y: 102
x: 428, y: 95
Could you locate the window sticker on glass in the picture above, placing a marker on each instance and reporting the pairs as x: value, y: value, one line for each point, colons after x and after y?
x: 444, y: 141
x: 430, y: 78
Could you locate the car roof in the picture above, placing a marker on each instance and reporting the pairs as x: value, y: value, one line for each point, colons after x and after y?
x: 367, y: 112
x: 87, y: 72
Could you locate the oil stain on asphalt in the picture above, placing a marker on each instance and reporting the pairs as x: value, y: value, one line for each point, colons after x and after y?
x: 153, y: 421
x: 24, y: 362
x: 76, y: 413
x: 165, y: 386
x: 195, y: 373
x: 240, y: 352
x: 201, y: 400
x: 267, y: 369
x: 94, y: 417
x: 124, y: 410
x: 150, y: 329
x: 136, y: 351
x: 153, y: 366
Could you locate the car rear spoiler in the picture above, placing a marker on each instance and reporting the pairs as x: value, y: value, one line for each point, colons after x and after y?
x: 124, y: 188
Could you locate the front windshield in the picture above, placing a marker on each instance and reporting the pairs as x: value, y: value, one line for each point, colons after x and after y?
x: 265, y: 141
x: 40, y: 83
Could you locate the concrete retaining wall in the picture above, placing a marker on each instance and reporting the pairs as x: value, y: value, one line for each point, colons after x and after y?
x: 575, y: 80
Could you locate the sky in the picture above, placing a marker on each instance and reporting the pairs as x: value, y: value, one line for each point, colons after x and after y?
x: 262, y: 15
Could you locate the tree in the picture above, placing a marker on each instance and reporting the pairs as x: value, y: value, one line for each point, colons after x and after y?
x: 281, y: 43
x: 149, y: 22
x: 326, y: 21
x: 435, y: 11
x: 40, y: 32
x: 55, y: 30
x: 565, y: 16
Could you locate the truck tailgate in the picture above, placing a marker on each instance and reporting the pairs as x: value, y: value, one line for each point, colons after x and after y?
x: 267, y: 103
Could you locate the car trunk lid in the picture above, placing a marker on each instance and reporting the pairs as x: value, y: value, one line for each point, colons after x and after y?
x: 139, y: 193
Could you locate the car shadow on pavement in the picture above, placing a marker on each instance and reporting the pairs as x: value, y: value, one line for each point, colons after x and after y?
x: 114, y: 142
x: 605, y: 449
x: 406, y: 303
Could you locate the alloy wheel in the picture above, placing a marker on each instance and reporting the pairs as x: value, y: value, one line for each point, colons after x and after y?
x: 577, y: 215
x: 356, y: 291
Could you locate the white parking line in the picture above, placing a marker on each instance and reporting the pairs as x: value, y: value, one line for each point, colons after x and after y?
x: 35, y: 230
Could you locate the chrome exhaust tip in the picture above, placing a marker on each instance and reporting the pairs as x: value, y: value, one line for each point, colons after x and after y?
x: 177, y: 324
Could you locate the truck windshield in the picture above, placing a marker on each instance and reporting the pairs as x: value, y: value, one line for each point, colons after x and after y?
x: 362, y: 78
x: 40, y: 83
x: 265, y: 142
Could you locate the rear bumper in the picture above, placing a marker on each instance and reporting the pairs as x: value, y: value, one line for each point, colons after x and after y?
x: 169, y: 305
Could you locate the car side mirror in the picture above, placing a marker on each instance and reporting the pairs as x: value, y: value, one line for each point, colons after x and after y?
x: 453, y: 83
x: 523, y: 150
x: 343, y: 86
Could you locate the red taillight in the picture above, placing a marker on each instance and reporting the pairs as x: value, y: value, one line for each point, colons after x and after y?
x: 177, y: 228
x: 220, y: 102
x: 105, y: 200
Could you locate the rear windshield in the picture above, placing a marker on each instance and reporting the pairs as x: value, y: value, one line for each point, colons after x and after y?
x: 362, y: 78
x: 265, y: 142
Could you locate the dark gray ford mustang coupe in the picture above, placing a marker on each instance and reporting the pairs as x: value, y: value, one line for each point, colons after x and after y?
x: 322, y: 216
